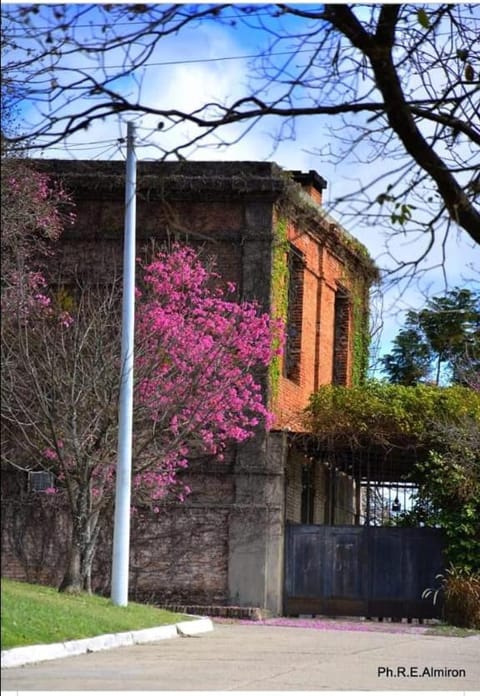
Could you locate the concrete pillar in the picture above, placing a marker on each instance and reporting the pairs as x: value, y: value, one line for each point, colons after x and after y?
x: 257, y: 524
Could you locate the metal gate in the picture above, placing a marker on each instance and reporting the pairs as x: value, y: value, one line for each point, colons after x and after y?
x: 361, y: 571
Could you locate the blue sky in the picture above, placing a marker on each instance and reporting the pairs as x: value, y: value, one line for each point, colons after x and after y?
x: 204, y: 64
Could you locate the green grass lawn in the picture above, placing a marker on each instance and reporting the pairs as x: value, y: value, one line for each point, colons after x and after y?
x: 34, y: 614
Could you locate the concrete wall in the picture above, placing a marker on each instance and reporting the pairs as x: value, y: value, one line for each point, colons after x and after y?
x: 256, y: 535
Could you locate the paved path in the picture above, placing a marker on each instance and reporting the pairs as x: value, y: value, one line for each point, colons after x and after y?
x: 256, y: 658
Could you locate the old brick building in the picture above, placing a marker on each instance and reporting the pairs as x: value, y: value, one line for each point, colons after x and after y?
x: 269, y: 234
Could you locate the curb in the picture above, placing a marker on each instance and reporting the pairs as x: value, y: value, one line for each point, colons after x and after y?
x: 228, y: 611
x: 17, y: 657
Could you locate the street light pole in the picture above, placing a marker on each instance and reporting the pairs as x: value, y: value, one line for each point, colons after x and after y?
x: 121, y: 532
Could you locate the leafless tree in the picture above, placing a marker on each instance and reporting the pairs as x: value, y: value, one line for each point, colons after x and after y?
x: 59, y: 397
x: 400, y: 83
x: 59, y: 412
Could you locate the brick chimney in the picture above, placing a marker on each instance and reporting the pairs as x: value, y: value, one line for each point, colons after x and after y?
x: 312, y: 183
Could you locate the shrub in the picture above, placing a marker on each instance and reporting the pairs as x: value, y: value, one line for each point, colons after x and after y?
x: 460, y: 591
x: 462, y: 599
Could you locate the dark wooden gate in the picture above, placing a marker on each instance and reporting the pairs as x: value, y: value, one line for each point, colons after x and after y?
x: 361, y: 571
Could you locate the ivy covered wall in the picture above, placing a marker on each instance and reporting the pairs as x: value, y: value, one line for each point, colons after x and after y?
x: 330, y: 279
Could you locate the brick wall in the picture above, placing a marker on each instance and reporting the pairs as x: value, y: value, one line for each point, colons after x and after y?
x: 326, y: 328
x: 177, y: 555
x: 226, y: 209
x: 34, y: 536
x: 226, y: 542
x: 181, y: 556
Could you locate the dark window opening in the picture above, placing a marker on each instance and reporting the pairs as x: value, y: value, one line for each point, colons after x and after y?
x: 293, y: 339
x: 308, y: 495
x: 340, y: 337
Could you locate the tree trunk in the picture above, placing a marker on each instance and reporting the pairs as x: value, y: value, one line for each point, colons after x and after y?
x: 84, y: 535
x: 73, y: 582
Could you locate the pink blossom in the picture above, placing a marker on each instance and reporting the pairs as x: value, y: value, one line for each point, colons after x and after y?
x: 65, y: 319
x: 197, y: 356
x: 201, y: 360
x: 50, y: 454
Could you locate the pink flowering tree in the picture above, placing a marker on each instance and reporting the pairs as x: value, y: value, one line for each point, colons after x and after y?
x: 34, y: 211
x: 200, y: 359
x: 198, y: 363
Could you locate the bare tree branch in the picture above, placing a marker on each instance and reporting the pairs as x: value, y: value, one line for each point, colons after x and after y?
x: 405, y: 77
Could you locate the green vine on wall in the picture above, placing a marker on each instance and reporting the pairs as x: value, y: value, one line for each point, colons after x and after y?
x: 360, y: 334
x: 279, y: 294
x: 384, y: 414
x: 360, y: 271
x: 357, y: 287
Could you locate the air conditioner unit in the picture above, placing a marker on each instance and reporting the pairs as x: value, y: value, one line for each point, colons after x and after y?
x: 39, y: 481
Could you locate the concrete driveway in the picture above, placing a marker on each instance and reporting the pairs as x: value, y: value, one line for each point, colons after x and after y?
x: 272, y: 658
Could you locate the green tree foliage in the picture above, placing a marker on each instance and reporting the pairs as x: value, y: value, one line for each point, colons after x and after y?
x: 448, y: 492
x: 441, y: 425
x: 451, y: 325
x: 409, y: 361
x: 442, y: 339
